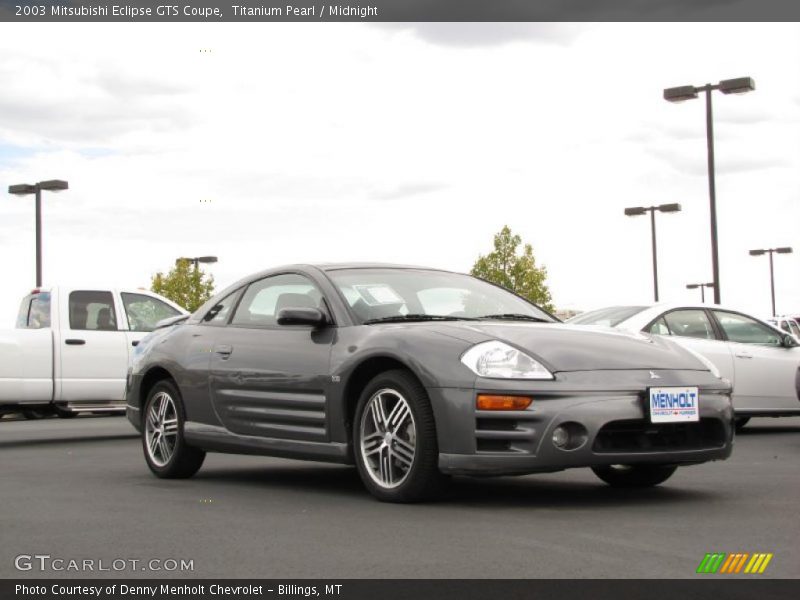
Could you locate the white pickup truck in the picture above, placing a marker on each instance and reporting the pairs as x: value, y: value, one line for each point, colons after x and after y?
x: 70, y: 350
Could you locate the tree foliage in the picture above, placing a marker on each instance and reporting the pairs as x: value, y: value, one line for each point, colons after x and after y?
x: 185, y: 285
x: 514, y: 271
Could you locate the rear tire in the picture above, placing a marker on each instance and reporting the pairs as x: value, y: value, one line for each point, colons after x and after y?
x: 35, y: 414
x: 163, y: 443
x: 394, y: 440
x: 634, y: 476
x: 740, y: 422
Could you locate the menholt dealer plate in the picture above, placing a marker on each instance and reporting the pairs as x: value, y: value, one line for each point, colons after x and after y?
x: 674, y: 404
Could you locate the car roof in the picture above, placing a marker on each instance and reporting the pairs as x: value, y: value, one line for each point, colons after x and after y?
x: 370, y: 265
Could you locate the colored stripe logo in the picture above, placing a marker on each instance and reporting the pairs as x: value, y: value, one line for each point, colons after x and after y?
x: 734, y: 563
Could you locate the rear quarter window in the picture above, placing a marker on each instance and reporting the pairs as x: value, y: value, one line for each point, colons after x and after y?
x: 34, y: 312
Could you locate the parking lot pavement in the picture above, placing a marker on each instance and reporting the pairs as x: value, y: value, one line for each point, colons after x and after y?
x: 79, y: 489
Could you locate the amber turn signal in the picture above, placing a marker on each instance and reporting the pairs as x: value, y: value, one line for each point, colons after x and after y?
x: 492, y: 402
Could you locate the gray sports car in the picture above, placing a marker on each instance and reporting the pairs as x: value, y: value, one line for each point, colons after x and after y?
x: 415, y: 374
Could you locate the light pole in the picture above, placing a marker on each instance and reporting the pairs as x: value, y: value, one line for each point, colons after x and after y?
x: 640, y: 210
x: 23, y: 189
x: 771, y: 251
x: 739, y: 85
x: 197, y: 260
x: 702, y: 286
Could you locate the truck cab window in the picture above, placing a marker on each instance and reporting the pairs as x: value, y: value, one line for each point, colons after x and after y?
x: 93, y: 311
x: 34, y: 313
x: 145, y: 311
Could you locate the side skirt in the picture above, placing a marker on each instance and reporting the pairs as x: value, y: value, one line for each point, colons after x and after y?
x: 218, y: 439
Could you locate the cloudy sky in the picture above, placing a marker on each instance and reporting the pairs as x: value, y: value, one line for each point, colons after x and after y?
x: 266, y: 144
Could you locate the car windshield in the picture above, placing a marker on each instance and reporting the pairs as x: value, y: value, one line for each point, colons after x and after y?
x: 608, y: 317
x: 376, y: 295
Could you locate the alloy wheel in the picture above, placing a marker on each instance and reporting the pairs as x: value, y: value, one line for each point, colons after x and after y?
x: 161, y: 429
x: 388, y: 438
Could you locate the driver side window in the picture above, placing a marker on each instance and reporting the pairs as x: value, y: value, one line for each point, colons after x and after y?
x: 264, y: 299
x: 745, y: 330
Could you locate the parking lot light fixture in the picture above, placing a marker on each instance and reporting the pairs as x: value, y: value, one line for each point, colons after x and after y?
x: 771, y: 251
x: 702, y: 286
x: 24, y: 189
x: 635, y: 211
x: 739, y: 85
x: 197, y: 260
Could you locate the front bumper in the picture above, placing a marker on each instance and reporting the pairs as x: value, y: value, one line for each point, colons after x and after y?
x: 615, y: 425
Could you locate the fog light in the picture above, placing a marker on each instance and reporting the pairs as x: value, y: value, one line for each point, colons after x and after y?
x: 569, y: 436
x: 560, y: 437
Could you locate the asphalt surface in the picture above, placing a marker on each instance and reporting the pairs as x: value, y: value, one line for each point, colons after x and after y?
x: 79, y: 489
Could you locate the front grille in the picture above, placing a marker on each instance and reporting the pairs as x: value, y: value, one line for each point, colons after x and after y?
x: 642, y: 436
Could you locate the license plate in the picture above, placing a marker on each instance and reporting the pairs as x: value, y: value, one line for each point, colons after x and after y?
x: 674, y: 404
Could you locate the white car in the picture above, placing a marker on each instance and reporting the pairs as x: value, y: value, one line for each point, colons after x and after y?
x: 788, y: 324
x: 761, y: 361
x: 70, y: 350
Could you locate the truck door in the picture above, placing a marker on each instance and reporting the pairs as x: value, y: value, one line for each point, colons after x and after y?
x: 93, y: 348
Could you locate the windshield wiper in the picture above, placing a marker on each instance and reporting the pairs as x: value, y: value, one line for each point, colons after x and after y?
x: 515, y: 317
x: 416, y: 317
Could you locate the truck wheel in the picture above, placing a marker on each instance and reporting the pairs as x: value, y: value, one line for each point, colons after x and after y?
x: 64, y: 413
x: 35, y: 413
x: 634, y: 476
x: 394, y: 439
x: 165, y: 448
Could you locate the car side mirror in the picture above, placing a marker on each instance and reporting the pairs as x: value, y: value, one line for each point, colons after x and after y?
x: 788, y: 341
x: 302, y: 316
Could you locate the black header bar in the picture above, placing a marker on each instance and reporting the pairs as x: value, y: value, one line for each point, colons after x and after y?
x: 401, y: 10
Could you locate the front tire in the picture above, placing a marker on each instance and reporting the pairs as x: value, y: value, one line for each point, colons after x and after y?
x: 165, y: 448
x: 394, y: 443
x: 634, y: 476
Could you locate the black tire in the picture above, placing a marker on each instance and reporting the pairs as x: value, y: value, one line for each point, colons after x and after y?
x: 634, y: 476
x: 740, y: 422
x: 34, y: 414
x: 423, y: 480
x: 184, y: 460
x: 65, y: 414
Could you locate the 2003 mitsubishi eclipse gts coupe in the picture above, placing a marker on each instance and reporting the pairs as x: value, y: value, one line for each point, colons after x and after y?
x: 414, y: 374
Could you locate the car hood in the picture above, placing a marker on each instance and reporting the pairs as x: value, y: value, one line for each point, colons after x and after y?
x: 580, y: 348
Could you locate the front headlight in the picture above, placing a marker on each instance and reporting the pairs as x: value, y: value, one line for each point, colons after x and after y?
x: 500, y: 361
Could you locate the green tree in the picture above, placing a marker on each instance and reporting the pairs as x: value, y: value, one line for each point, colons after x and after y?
x: 185, y: 285
x: 513, y: 271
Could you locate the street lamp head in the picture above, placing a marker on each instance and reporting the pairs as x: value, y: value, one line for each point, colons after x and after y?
x: 53, y: 185
x: 740, y: 85
x: 680, y: 94
x: 783, y: 250
x: 635, y: 211
x: 692, y: 286
x: 670, y: 207
x: 757, y: 252
x: 22, y: 189
x: 206, y: 259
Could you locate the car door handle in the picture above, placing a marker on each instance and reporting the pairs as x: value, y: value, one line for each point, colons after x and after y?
x: 135, y: 343
x: 74, y: 342
x: 224, y: 350
x: 743, y: 355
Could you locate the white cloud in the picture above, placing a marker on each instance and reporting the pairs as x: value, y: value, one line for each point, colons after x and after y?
x: 359, y: 142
